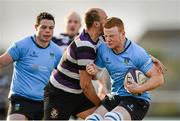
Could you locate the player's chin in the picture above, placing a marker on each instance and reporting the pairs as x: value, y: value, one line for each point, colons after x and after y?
x: 47, y: 39
x: 110, y: 46
x: 72, y: 33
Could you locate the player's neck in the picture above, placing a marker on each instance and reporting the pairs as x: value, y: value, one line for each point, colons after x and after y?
x: 120, y: 48
x: 41, y: 43
x: 93, y: 34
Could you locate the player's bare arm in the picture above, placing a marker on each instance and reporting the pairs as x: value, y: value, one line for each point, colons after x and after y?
x: 159, y: 64
x: 87, y: 87
x: 5, y: 59
x: 101, y: 77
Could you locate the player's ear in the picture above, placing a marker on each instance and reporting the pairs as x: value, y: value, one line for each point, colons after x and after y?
x: 36, y: 26
x: 123, y: 32
x: 97, y: 24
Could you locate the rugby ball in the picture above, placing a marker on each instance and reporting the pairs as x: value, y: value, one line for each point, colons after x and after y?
x: 136, y: 76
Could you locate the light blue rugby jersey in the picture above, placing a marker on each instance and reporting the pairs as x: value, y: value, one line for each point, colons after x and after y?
x: 117, y: 65
x: 32, y: 67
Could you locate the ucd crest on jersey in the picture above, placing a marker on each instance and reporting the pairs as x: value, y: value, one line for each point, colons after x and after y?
x: 126, y: 60
x: 52, y: 55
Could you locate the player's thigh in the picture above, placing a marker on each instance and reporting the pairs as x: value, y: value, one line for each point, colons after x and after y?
x: 84, y: 106
x: 25, y: 107
x: 58, y: 104
x: 57, y: 108
x: 110, y: 102
x: 137, y: 108
x: 86, y: 113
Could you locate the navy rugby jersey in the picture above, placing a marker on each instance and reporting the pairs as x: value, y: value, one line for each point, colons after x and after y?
x: 62, y: 40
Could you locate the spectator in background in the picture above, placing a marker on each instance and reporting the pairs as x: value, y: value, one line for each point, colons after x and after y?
x: 72, y: 27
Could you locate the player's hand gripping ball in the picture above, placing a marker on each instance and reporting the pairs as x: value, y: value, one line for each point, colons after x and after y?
x: 135, y: 75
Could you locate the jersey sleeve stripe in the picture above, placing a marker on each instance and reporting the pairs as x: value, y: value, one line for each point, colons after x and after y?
x: 81, y: 43
x: 70, y: 68
x: 85, y: 53
x: 72, y: 50
x: 68, y: 73
x: 65, y: 88
x: 60, y: 76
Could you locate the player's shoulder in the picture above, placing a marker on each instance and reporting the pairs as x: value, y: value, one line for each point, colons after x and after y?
x: 103, y: 49
x: 60, y: 36
x: 25, y: 41
x: 102, y: 46
x: 54, y: 46
x: 62, y: 39
x: 81, y: 42
x: 56, y: 50
x: 84, y: 39
x: 136, y: 48
x: 138, y: 54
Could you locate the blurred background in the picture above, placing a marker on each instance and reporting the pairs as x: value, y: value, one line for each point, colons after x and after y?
x: 154, y: 24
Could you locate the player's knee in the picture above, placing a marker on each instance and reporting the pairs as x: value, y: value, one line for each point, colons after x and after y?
x: 113, y: 116
x: 94, y: 117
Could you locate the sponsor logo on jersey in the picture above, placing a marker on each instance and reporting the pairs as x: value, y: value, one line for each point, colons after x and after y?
x: 33, y: 54
x: 131, y: 107
x: 107, y: 61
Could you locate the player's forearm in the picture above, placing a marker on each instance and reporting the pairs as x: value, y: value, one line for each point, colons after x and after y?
x: 1, y: 66
x: 89, y: 91
x: 87, y: 87
x: 152, y: 83
x: 2, y: 63
x: 159, y: 64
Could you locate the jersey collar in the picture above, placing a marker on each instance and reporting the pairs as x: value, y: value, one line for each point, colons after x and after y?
x: 33, y: 38
x: 126, y: 46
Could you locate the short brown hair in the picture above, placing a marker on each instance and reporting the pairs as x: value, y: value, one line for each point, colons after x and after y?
x: 114, y: 21
x: 90, y: 17
x: 44, y: 15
